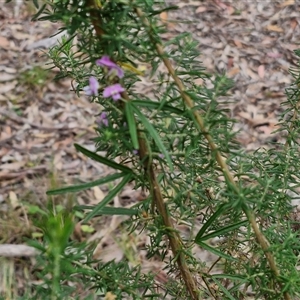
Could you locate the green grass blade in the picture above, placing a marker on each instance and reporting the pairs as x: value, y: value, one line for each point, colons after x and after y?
x: 154, y: 135
x: 131, y: 125
x: 109, y: 197
x: 102, y: 159
x: 84, y: 186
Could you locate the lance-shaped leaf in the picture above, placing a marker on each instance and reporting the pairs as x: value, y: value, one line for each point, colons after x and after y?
x: 102, y: 159
x: 222, y: 231
x: 109, y: 197
x: 210, y: 221
x: 121, y: 211
x: 154, y: 135
x: 159, y: 106
x: 216, y: 251
x: 84, y: 186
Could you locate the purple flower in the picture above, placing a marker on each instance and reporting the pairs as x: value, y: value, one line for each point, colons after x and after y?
x: 105, y: 61
x: 113, y: 91
x: 102, y: 119
x: 92, y: 88
x: 161, y: 156
x: 135, y: 152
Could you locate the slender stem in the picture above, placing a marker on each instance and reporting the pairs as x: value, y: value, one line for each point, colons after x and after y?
x: 174, y: 238
x: 190, y: 104
x: 96, y: 21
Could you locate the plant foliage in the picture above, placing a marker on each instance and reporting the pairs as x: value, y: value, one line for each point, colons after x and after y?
x: 177, y: 143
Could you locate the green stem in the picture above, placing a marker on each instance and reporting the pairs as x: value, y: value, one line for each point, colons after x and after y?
x: 56, y: 274
x: 174, y: 238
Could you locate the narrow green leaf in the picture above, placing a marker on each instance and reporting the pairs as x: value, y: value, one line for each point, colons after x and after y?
x: 36, y: 4
x: 35, y: 244
x: 157, y: 105
x: 225, y: 291
x: 131, y: 125
x: 84, y: 186
x: 65, y: 43
x: 229, y: 276
x: 97, y: 209
x: 216, y: 252
x: 87, y: 228
x: 223, y: 230
x: 41, y: 10
x: 102, y: 159
x: 210, y: 221
x: 110, y: 210
x: 238, y: 279
x: 33, y: 209
x: 154, y: 135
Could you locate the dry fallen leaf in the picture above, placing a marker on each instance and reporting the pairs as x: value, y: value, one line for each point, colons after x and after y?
x: 274, y: 28
x: 201, y: 9
x: 99, y: 195
x: 182, y: 4
x: 111, y: 252
x: 261, y: 71
x: 232, y: 72
x: 294, y: 23
x: 221, y: 4
x: 287, y: 3
x: 199, y: 81
x: 13, y: 199
x: 5, y: 77
x: 110, y: 296
x: 266, y: 129
x: 4, y: 42
x: 13, y: 166
x: 7, y: 87
x: 164, y: 17
x: 238, y: 43
x: 274, y: 54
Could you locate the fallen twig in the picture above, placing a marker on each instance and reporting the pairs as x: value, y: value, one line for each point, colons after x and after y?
x: 11, y: 250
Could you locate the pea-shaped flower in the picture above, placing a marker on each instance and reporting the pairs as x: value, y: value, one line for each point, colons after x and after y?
x: 113, y: 91
x: 102, y: 120
x: 92, y: 88
x: 105, y: 61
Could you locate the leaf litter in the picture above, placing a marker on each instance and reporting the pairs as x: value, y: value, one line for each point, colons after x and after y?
x: 251, y: 41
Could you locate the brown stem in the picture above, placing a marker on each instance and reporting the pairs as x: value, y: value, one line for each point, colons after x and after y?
x: 173, y: 236
x: 96, y: 21
x: 190, y: 104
